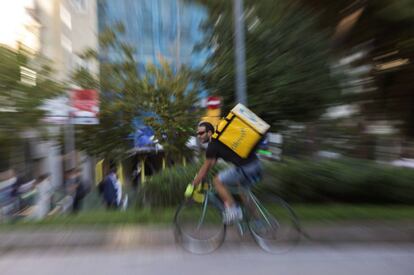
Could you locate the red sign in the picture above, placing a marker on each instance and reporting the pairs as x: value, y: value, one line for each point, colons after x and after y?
x: 213, y: 102
x: 84, y: 106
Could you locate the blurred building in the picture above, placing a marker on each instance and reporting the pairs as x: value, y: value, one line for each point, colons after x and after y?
x: 55, y: 30
x: 68, y: 27
x: 20, y: 29
x: 157, y: 29
x: 19, y: 25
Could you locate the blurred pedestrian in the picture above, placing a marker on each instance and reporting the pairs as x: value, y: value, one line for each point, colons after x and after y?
x: 82, y: 189
x: 111, y: 189
x: 8, y: 201
x: 44, y: 193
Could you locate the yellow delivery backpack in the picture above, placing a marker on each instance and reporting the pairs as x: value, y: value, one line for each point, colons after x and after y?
x: 241, y: 130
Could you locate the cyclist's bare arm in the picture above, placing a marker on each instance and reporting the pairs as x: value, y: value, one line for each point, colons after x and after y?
x: 202, y: 173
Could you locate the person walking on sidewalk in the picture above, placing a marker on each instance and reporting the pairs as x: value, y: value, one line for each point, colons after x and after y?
x: 44, y: 194
x: 82, y: 189
x: 111, y: 189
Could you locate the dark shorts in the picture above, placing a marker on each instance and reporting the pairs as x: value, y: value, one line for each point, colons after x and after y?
x: 246, y: 175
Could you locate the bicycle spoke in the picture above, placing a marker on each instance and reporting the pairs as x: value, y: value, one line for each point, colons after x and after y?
x: 199, y: 227
x: 275, y: 227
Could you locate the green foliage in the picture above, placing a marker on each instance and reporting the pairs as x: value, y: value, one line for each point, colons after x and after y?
x: 383, y: 31
x: 120, y: 99
x: 168, y: 96
x: 287, y: 60
x: 304, y: 181
x: 396, y: 10
x: 83, y: 78
x: 349, y: 180
x: 101, y: 219
x: 25, y: 84
x: 167, y: 187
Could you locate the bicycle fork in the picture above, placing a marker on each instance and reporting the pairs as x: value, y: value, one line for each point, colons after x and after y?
x: 242, y: 225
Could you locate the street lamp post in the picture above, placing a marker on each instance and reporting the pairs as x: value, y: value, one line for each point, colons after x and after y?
x: 239, y: 52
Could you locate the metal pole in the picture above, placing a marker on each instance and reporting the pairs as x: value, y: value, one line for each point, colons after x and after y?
x: 239, y: 52
x: 142, y: 171
x: 70, y: 145
x: 70, y: 139
x: 178, y: 38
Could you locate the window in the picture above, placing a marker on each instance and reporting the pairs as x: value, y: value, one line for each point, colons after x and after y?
x: 79, y: 63
x: 66, y: 43
x: 65, y: 17
x: 80, y: 5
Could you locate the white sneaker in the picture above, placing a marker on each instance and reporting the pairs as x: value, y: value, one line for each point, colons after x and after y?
x: 232, y: 214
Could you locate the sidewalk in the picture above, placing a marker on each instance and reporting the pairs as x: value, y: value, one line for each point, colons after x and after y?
x: 136, y: 236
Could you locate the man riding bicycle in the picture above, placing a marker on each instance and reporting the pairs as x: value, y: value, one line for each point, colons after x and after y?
x: 244, y: 172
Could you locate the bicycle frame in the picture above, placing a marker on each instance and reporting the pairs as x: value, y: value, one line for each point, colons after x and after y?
x: 216, y: 200
x: 256, y: 218
x: 264, y: 213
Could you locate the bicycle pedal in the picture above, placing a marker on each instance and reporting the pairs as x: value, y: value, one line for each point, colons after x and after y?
x: 240, y: 229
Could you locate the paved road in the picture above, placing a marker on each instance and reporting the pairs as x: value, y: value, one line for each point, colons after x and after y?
x: 237, y: 259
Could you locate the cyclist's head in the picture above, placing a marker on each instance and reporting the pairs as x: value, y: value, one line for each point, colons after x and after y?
x: 204, y: 131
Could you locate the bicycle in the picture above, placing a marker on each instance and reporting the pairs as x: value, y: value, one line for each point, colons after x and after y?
x: 271, y: 221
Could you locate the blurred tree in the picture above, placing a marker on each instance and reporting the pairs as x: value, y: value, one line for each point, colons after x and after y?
x: 171, y: 97
x: 383, y: 34
x: 389, y: 26
x: 25, y: 83
x: 161, y: 97
x: 287, y: 60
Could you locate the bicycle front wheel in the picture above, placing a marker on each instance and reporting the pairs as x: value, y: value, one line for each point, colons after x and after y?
x: 199, y: 227
x: 273, y: 224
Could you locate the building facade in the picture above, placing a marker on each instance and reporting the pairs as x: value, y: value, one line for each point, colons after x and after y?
x: 157, y: 29
x: 57, y: 30
x: 68, y: 28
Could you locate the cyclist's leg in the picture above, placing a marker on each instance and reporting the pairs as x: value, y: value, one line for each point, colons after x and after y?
x: 226, y: 179
x: 252, y: 175
x: 223, y: 192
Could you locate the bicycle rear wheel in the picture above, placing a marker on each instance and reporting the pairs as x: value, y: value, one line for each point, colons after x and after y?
x: 273, y: 224
x: 199, y: 227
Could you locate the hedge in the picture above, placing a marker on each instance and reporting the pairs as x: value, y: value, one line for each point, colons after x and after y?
x: 305, y: 181
x: 345, y: 180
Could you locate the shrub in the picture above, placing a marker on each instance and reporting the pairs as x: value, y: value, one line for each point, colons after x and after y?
x: 167, y: 187
x: 309, y: 181
x: 346, y: 180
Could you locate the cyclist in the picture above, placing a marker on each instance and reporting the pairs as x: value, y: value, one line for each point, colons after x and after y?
x: 245, y: 172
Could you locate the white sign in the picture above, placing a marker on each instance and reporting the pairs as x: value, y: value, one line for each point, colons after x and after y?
x: 57, y: 110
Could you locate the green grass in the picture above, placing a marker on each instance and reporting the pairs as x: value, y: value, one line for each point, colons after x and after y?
x: 163, y: 217
x: 338, y: 212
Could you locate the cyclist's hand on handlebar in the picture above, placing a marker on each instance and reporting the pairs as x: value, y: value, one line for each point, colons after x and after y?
x: 189, y: 190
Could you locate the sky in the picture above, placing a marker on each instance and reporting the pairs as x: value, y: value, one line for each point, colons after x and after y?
x: 12, y: 19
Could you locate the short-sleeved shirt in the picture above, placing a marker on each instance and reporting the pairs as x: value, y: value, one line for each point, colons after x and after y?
x: 216, y: 149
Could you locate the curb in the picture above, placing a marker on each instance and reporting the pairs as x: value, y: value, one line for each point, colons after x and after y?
x: 147, y: 236
x: 366, y: 232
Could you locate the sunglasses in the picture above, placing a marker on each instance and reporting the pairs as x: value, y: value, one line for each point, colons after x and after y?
x: 201, y: 133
